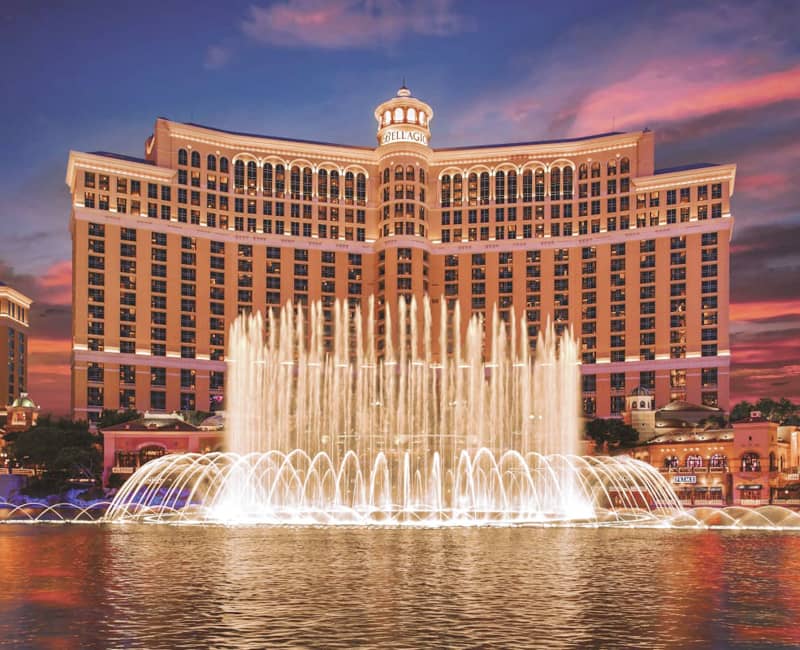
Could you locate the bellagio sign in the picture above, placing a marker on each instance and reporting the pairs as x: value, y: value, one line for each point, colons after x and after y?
x: 391, y: 136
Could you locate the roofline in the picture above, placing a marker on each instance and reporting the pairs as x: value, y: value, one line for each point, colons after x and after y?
x: 543, y: 148
x: 188, y: 129
x: 709, y: 173
x: 11, y: 292
x: 112, y: 164
x: 501, y: 145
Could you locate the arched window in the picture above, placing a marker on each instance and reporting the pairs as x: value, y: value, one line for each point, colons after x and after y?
x: 583, y: 172
x: 773, y: 464
x: 195, y: 159
x: 718, y: 461
x: 539, y: 184
x: 387, y: 117
x: 446, y: 191
x: 334, y: 185
x: 211, y: 162
x: 595, y: 170
x: 361, y: 189
x: 458, y: 189
x: 322, y: 182
x: 252, y: 177
x: 611, y: 168
x: 398, y: 173
x: 183, y: 157
x: 527, y: 186
x: 267, y: 179
x: 499, y: 187
x: 511, y: 186
x: 411, y: 114
x: 349, y: 187
x: 238, y: 175
x: 555, y: 184
x: 694, y: 461
x: 223, y: 165
x: 484, y: 188
x: 386, y: 174
x: 294, y: 183
x: 671, y: 462
x: 422, y: 118
x: 307, y: 183
x: 472, y: 189
x: 398, y: 114
x: 567, y: 183
x: 624, y: 166
x: 280, y: 180
x: 410, y: 173
x: 642, y: 404
x: 751, y: 462
x: 421, y: 175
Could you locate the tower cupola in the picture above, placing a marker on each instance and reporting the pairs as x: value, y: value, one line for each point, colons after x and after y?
x: 404, y: 119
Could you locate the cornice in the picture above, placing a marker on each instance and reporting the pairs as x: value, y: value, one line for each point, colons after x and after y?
x: 265, y: 145
x: 13, y: 294
x: 501, y: 152
x: 710, y: 174
x: 106, y: 164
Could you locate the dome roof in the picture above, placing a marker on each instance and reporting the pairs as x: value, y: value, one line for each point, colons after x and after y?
x: 640, y: 392
x: 680, y: 405
x: 23, y: 401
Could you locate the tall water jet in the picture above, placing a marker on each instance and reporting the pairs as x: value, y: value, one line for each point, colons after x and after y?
x: 363, y: 430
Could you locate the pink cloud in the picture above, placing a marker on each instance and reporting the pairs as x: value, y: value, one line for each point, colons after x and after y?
x: 664, y: 92
x: 346, y: 24
x: 49, y: 374
x: 760, y: 310
x: 685, y: 66
x: 56, y: 284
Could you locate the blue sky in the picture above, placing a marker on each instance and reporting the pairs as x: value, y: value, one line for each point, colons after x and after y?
x: 718, y: 82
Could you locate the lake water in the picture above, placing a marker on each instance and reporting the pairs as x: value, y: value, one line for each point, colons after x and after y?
x: 145, y: 586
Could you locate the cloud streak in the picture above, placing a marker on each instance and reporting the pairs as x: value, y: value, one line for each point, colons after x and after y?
x: 350, y: 24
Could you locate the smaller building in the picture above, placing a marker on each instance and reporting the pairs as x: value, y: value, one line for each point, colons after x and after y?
x: 22, y: 414
x: 752, y: 463
x: 673, y: 418
x: 128, y: 445
x: 14, y: 324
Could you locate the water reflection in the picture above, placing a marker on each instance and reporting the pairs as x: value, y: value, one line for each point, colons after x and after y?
x: 158, y: 586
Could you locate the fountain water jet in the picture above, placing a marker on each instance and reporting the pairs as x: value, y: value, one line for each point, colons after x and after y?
x: 386, y: 431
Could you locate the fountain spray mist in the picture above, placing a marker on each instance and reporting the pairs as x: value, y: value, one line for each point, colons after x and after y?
x: 384, y: 430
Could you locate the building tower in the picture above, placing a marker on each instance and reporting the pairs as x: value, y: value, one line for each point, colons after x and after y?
x: 403, y: 154
x: 14, y: 324
x: 640, y: 412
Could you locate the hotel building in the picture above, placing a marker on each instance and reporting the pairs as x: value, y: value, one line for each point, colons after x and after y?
x: 14, y: 324
x: 585, y: 232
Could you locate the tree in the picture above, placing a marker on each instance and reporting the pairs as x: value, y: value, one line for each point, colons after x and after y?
x: 775, y: 411
x: 741, y: 411
x: 110, y: 417
x: 62, y: 449
x: 613, y: 433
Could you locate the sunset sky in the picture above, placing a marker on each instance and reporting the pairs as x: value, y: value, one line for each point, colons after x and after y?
x: 717, y: 82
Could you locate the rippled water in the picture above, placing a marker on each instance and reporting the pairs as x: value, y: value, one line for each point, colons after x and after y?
x: 144, y: 586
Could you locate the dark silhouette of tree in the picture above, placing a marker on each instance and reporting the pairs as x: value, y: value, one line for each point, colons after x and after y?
x: 612, y: 433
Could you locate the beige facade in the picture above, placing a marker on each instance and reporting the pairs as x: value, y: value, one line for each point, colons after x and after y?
x: 167, y: 250
x: 14, y: 325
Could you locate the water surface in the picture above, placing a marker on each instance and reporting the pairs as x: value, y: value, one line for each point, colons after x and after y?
x: 146, y: 586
